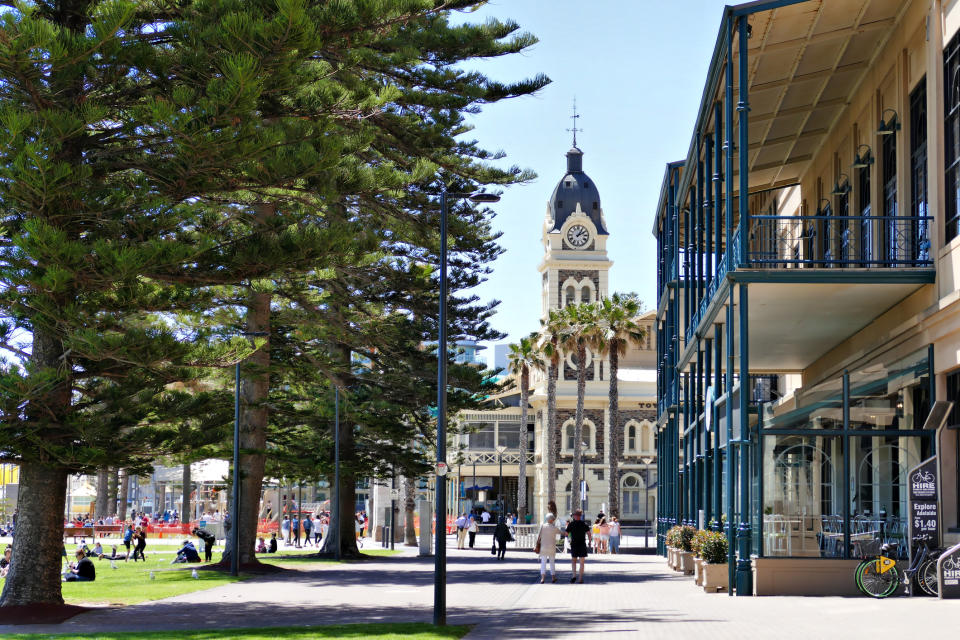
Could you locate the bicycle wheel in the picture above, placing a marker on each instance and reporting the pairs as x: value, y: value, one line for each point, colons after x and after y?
x: 875, y: 584
x: 927, y: 577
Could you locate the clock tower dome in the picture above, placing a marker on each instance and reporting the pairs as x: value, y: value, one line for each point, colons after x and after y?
x: 575, y: 265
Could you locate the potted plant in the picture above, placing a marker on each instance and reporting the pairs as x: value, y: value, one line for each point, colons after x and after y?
x: 673, y: 544
x: 696, y: 545
x: 686, y: 550
x: 713, y: 550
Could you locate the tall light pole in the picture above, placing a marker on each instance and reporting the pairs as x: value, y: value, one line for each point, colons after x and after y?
x: 440, y: 539
x: 235, y: 516
x: 500, y: 449
x: 646, y: 460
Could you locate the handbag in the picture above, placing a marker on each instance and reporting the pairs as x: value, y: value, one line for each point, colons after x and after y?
x: 493, y: 548
x: 536, y: 546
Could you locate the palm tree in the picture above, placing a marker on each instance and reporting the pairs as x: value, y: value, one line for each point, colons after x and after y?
x: 549, y: 343
x: 617, y: 329
x: 523, y: 357
x: 579, y: 322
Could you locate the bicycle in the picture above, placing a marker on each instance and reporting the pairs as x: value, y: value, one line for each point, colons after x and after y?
x: 879, y: 576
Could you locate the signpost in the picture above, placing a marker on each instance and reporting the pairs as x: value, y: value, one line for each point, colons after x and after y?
x: 948, y: 573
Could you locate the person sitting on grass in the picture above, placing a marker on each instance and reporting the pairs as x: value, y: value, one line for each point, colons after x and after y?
x: 261, y: 546
x: 273, y: 543
x: 113, y: 555
x: 5, y: 561
x: 97, y: 550
x: 82, y: 571
x: 187, y: 553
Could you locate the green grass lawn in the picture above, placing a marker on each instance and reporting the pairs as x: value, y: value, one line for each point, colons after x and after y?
x: 399, y: 631
x: 130, y: 583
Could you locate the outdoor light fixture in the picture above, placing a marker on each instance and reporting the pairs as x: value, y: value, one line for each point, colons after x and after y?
x: 841, y: 186
x: 864, y: 160
x: 440, y: 540
x: 888, y: 127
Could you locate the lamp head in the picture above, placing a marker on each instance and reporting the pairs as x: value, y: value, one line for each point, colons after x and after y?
x: 841, y: 186
x: 888, y: 126
x: 862, y: 160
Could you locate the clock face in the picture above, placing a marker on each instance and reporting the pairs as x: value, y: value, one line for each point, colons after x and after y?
x: 577, y: 235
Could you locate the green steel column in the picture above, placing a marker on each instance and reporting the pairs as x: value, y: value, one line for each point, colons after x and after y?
x: 744, y: 570
x: 758, y: 469
x: 687, y: 270
x: 931, y: 375
x: 728, y: 150
x: 717, y: 456
x: 743, y: 153
x: 708, y: 213
x: 707, y: 453
x: 846, y: 464
x: 731, y: 450
x: 699, y: 253
x: 717, y: 191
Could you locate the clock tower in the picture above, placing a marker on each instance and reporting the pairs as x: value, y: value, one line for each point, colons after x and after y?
x: 575, y: 265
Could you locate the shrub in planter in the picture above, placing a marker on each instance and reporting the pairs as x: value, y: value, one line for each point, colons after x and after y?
x: 673, y: 537
x: 697, y: 543
x: 714, y: 549
x: 686, y: 537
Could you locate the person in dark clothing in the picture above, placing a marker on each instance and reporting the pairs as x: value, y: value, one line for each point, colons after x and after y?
x: 141, y: 539
x: 84, y: 571
x: 273, y: 543
x: 307, y: 528
x: 502, y: 535
x: 186, y: 553
x: 578, y: 531
x: 209, y: 540
x: 295, y: 530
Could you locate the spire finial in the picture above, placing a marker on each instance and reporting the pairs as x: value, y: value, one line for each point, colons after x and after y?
x: 574, y: 117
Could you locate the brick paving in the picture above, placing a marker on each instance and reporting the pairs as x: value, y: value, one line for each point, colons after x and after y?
x: 628, y: 595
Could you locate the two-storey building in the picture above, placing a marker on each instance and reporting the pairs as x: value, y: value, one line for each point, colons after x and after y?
x: 809, y: 287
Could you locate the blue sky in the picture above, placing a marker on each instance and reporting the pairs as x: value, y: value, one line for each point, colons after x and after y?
x: 637, y: 69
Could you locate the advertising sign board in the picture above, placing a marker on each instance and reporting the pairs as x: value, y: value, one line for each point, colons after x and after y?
x: 923, y: 510
x: 948, y: 572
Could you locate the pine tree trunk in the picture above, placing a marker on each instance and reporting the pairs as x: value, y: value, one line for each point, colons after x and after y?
x: 348, y: 493
x: 616, y: 435
x: 124, y: 493
x: 551, y: 449
x: 254, y: 391
x: 113, y: 480
x: 409, y: 504
x: 103, y: 493
x: 522, y: 465
x: 185, y: 511
x: 575, y: 497
x: 39, y: 539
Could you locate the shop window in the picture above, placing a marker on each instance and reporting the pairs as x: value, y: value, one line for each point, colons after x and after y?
x: 951, y: 131
x: 481, y: 437
x: 866, y: 222
x: 508, y: 435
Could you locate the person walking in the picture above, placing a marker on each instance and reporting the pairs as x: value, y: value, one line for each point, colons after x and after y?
x: 141, y: 539
x: 578, y: 531
x: 546, y: 547
x: 461, y: 531
x: 501, y: 535
x: 285, y: 529
x: 295, y: 530
x: 472, y: 529
x: 614, y: 535
x: 307, y: 528
x: 604, y: 535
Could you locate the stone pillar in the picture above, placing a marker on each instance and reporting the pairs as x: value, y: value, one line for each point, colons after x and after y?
x: 425, y: 509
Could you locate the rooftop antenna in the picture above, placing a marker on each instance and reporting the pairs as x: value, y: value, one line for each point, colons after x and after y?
x: 574, y: 117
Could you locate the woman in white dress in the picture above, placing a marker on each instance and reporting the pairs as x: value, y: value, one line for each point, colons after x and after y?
x: 549, y: 533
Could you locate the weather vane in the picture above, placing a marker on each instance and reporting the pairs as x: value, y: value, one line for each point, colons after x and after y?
x: 574, y: 118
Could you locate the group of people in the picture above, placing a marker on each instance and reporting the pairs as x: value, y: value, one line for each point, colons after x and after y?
x: 136, y: 538
x: 467, y: 526
x: 606, y: 535
x: 551, y: 535
x: 313, y: 528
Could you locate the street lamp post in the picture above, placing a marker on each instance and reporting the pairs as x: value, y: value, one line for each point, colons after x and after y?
x: 235, y: 516
x: 500, y: 449
x: 440, y: 559
x: 646, y: 460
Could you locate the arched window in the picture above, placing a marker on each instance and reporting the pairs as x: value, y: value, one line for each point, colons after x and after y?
x: 588, y: 437
x: 584, y: 497
x: 570, y: 297
x: 632, y: 438
x: 631, y: 495
x: 586, y: 295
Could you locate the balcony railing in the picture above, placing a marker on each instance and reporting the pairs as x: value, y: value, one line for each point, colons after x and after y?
x: 823, y: 242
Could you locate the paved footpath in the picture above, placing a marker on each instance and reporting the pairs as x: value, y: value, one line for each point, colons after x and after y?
x: 628, y: 596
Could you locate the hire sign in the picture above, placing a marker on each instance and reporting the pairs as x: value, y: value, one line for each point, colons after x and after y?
x: 924, y: 509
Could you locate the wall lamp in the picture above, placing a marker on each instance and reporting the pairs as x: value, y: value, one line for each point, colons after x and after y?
x: 888, y: 127
x: 841, y: 186
x: 823, y: 206
x: 864, y: 160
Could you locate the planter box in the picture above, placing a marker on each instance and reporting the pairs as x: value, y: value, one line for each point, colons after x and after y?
x: 686, y: 562
x: 715, y: 578
x: 698, y: 565
x: 671, y: 557
x: 804, y: 577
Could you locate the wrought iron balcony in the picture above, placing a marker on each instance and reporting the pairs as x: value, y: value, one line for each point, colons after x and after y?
x: 827, y: 241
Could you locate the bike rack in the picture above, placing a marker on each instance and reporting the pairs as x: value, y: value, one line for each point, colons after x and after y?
x: 943, y: 556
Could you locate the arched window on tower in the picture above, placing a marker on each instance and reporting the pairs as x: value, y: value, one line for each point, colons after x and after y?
x: 570, y: 297
x: 631, y: 438
x: 586, y: 295
x: 588, y: 437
